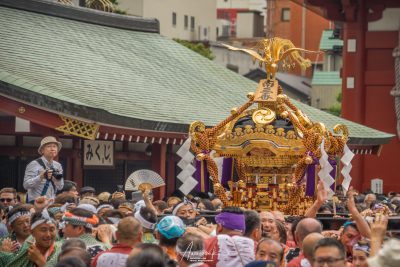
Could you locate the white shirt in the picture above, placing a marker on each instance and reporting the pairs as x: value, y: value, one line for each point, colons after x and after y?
x: 34, y: 184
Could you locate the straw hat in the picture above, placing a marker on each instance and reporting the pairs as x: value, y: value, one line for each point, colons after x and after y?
x: 49, y: 140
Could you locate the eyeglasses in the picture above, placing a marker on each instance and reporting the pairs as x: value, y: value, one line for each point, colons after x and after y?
x: 6, y: 199
x: 329, y: 261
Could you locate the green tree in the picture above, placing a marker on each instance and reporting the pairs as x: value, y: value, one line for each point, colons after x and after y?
x: 117, y: 9
x: 197, y: 47
x: 336, y: 109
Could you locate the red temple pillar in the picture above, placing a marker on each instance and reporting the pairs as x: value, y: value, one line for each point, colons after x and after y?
x: 171, y: 171
x: 77, y: 172
x: 158, y: 163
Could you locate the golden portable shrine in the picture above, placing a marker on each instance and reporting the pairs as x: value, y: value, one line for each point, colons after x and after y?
x: 275, y: 149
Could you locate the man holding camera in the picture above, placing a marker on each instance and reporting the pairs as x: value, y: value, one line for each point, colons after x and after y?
x: 44, y: 176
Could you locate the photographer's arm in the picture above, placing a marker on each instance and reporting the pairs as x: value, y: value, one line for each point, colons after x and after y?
x: 31, y: 179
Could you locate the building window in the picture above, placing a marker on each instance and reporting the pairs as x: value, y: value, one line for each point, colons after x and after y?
x: 285, y: 14
x: 173, y: 19
x: 186, y: 22
x: 205, y: 32
x: 192, y: 22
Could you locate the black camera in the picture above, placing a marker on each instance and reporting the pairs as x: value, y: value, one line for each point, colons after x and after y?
x: 56, y: 174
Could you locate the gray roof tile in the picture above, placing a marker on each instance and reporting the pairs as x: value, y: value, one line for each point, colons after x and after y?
x: 131, y: 74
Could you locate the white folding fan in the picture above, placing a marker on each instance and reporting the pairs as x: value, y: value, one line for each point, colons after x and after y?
x: 143, y: 177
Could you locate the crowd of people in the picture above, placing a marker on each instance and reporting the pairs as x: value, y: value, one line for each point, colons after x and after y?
x: 54, y: 224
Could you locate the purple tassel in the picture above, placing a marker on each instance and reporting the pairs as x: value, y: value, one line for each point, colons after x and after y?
x: 311, y: 180
x: 226, y: 171
x: 310, y: 184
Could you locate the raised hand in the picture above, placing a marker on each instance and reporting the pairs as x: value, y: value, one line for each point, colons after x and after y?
x: 35, y: 256
x: 9, y: 246
x: 104, y: 233
x: 322, y: 194
x: 379, y: 226
x: 42, y: 202
x: 351, y: 205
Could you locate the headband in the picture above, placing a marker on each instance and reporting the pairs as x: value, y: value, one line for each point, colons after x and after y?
x: 44, y: 219
x: 179, y: 205
x: 349, y: 223
x: 17, y: 215
x: 54, y: 210
x: 232, y: 221
x: 83, y: 221
x: 146, y: 224
x: 364, y: 247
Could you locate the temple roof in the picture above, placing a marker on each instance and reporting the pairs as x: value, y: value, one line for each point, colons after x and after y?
x: 327, y: 42
x: 326, y: 78
x: 119, y: 70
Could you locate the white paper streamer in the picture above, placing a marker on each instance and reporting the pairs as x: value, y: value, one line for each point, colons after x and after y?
x: 326, y: 168
x: 190, y: 169
x: 184, y: 148
x: 348, y: 155
x: 182, y: 164
x: 185, y: 176
x: 188, y: 185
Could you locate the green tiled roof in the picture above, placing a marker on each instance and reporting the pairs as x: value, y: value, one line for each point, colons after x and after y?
x: 327, y: 43
x: 326, y: 78
x: 65, y: 64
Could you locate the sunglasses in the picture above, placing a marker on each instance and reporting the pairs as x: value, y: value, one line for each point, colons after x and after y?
x: 6, y: 199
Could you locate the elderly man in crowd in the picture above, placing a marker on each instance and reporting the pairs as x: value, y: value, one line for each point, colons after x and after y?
x: 128, y: 234
x: 44, y: 176
x: 305, y: 227
x: 229, y: 247
x: 190, y: 251
x: 329, y: 252
x: 269, y: 250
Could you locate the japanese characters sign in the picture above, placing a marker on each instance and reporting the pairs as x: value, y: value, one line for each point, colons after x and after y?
x: 98, y: 153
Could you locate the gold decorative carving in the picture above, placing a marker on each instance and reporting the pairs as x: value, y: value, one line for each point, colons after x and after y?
x: 263, y: 116
x: 272, y: 144
x: 78, y: 128
x: 21, y: 110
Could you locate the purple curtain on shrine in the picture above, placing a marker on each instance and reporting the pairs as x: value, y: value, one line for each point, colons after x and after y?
x: 311, y: 179
x: 226, y: 171
x: 202, y: 176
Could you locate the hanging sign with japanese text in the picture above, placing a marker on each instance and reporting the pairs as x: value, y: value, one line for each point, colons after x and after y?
x: 98, y: 154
